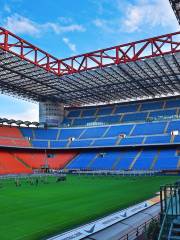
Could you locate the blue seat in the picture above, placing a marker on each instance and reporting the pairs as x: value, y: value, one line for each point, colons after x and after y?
x: 58, y: 144
x: 152, y: 105
x: 39, y: 144
x: 83, y: 121
x: 163, y: 113
x: 81, y: 161
x: 126, y: 108
x: 95, y: 132
x: 74, y: 113
x: 149, y: 128
x: 115, y: 131
x: 70, y: 132
x: 158, y: 139
x: 145, y: 160
x: 105, y: 110
x: 134, y: 117
x: 80, y: 143
x: 177, y: 139
x: 89, y: 112
x: 173, y: 103
x: 105, y: 142
x: 167, y: 160
x: 49, y: 134
x: 27, y: 132
x: 109, y: 119
x: 131, y: 141
x: 67, y: 121
x: 126, y: 159
x: 104, y: 161
x: 173, y: 125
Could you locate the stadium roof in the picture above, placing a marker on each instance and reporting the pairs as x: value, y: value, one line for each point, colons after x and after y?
x: 148, y: 68
x: 176, y: 7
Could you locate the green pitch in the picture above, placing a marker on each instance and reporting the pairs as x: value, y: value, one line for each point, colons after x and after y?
x: 35, y: 212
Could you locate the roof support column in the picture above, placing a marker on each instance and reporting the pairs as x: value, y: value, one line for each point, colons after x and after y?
x: 51, y: 114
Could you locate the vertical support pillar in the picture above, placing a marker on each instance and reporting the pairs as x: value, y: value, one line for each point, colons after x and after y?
x: 51, y: 114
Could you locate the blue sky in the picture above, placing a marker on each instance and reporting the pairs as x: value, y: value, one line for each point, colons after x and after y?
x: 69, y: 27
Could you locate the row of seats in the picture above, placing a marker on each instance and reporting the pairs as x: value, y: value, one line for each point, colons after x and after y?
x: 123, y: 118
x: 12, y: 136
x: 37, y: 160
x: 123, y: 108
x: 142, y: 159
x: 24, y: 162
x: 140, y: 129
x: 10, y: 165
x: 104, y: 142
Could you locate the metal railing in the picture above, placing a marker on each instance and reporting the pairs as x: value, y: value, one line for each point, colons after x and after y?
x: 140, y: 232
x: 170, y: 207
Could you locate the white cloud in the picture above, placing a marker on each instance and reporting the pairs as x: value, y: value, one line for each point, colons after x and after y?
x: 21, y: 25
x: 57, y: 28
x: 70, y: 45
x: 7, y: 8
x: 107, y: 26
x: 140, y: 15
x: 154, y: 14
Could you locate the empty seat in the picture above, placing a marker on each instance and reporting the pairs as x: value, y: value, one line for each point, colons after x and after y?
x: 95, y: 132
x: 105, y: 142
x: 133, y: 117
x: 49, y: 134
x: 173, y: 125
x: 109, y: 119
x: 115, y: 131
x: 158, y: 139
x: 105, y: 110
x: 89, y: 112
x: 74, y: 113
x: 126, y: 158
x: 145, y: 160
x: 67, y: 133
x: 40, y: 144
x: 58, y: 144
x: 172, y: 103
x: 80, y: 143
x: 167, y: 160
x: 131, y: 141
x: 27, y: 132
x: 126, y: 108
x: 81, y: 161
x: 83, y: 121
x: 163, y: 113
x: 149, y: 128
x: 152, y: 105
x: 104, y: 161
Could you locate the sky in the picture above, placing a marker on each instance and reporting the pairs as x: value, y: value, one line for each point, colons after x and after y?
x: 69, y: 27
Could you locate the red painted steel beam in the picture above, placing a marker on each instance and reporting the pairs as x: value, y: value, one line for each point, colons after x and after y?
x: 130, y: 52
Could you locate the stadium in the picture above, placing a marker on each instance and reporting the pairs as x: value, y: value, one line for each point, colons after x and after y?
x: 103, y: 162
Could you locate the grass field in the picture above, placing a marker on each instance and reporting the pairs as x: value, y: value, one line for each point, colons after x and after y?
x: 35, y: 212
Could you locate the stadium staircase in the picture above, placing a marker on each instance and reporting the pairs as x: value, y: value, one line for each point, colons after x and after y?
x: 21, y: 160
x: 155, y: 160
x: 170, y: 212
x: 174, y: 233
x: 116, y: 162
x: 135, y: 159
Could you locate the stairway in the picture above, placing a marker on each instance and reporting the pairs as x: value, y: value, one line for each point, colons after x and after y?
x: 21, y: 161
x: 174, y: 233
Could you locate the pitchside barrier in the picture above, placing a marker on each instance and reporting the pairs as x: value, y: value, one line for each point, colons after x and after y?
x: 103, y: 223
x: 113, y: 173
